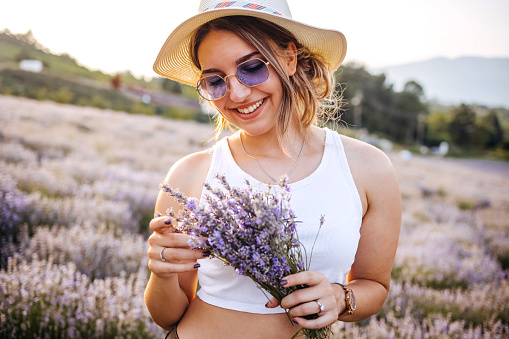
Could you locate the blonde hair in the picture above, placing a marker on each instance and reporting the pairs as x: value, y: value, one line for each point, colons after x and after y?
x: 307, y: 93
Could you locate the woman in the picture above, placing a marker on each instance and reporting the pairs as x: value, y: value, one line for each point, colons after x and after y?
x: 267, y: 74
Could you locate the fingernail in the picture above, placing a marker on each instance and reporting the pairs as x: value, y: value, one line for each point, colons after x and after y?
x: 167, y: 221
x: 206, y: 253
x: 284, y: 282
x: 196, y: 265
x: 295, y: 321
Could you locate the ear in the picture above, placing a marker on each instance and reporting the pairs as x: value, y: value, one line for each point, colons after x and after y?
x: 290, y: 60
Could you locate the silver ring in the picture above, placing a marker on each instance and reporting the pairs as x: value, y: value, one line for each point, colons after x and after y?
x: 161, y: 254
x: 322, y: 308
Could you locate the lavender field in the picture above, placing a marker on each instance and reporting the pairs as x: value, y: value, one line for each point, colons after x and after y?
x: 77, y: 190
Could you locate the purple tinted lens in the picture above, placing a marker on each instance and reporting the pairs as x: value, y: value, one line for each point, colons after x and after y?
x: 252, y: 72
x: 212, y: 87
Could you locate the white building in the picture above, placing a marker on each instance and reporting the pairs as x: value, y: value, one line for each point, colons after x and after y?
x: 31, y: 65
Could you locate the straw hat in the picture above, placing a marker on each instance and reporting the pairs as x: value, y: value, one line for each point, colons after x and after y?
x: 174, y: 61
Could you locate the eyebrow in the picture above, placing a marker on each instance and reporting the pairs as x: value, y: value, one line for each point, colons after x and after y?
x: 237, y: 62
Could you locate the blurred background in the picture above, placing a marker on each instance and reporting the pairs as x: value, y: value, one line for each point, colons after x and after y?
x: 418, y: 73
x: 88, y: 131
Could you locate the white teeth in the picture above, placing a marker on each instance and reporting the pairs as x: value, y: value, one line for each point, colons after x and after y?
x: 250, y: 109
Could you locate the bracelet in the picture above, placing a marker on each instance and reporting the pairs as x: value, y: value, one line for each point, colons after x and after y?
x: 350, y: 305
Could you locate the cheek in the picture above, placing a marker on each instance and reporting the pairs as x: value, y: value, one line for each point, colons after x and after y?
x: 275, y: 87
x: 273, y: 84
x: 220, y: 107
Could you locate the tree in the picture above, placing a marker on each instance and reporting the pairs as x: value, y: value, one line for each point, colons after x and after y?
x: 409, y: 109
x: 171, y: 86
x: 497, y: 133
x: 462, y: 125
x: 414, y: 88
x: 437, y: 128
x: 374, y: 103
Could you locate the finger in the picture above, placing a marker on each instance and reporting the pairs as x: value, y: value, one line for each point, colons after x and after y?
x: 163, y: 269
x: 158, y: 240
x: 309, y: 298
x: 307, y: 308
x: 172, y: 254
x: 173, y: 239
x: 162, y: 225
x: 309, y: 278
x: 272, y: 303
x: 298, y: 297
x: 319, y: 322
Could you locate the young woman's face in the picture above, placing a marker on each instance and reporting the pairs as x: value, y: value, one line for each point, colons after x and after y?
x: 252, y: 109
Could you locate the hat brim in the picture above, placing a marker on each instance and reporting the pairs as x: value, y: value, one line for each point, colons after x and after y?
x: 174, y: 61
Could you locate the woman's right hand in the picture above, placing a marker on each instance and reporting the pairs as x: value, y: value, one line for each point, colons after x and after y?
x: 178, y: 256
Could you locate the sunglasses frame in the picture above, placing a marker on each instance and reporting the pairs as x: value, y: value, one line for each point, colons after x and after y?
x: 266, y: 63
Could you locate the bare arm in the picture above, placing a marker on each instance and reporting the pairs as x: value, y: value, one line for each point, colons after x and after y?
x: 370, y: 274
x: 172, y: 284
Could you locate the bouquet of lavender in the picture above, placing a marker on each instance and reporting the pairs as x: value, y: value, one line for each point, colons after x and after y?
x: 254, y: 232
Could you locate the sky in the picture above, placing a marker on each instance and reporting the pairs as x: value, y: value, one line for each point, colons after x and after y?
x: 115, y: 36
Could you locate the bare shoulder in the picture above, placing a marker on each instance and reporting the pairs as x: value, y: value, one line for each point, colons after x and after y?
x: 357, y: 150
x: 365, y: 159
x: 371, y: 169
x: 189, y: 173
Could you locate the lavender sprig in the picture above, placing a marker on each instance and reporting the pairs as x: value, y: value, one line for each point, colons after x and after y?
x: 253, y: 232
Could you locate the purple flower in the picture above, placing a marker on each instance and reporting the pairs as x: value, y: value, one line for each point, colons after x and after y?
x: 191, y: 204
x: 254, y: 232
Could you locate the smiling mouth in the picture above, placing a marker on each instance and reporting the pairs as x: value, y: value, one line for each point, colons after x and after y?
x: 251, y: 108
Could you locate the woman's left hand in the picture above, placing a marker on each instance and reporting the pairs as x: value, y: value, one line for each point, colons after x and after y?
x: 307, y: 301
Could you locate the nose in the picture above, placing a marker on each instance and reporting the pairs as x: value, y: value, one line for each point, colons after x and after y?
x: 238, y: 91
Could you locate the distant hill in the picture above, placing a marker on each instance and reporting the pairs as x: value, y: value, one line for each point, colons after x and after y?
x: 471, y: 80
x: 16, y: 47
x: 63, y: 79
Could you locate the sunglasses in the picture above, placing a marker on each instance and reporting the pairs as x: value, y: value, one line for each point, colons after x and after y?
x: 250, y: 73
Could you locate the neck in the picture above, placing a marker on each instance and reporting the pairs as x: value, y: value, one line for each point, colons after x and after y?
x: 288, y: 172
x: 267, y: 145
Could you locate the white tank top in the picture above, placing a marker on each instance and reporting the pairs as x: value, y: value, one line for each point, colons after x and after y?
x: 329, y: 191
